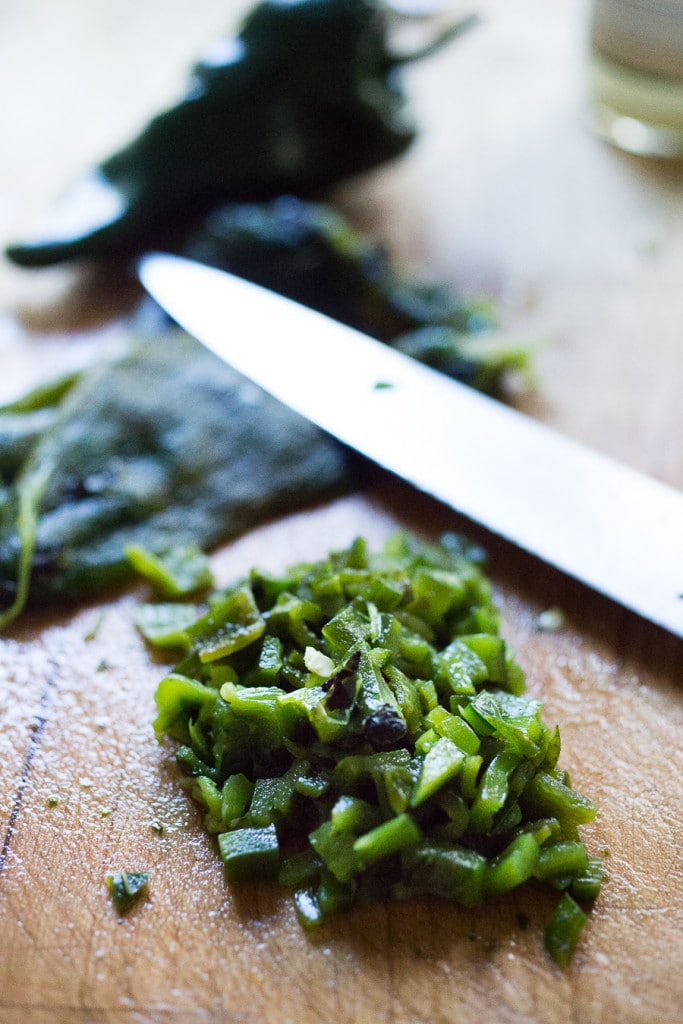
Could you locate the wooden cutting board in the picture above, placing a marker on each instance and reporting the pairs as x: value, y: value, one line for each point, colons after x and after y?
x: 506, y: 194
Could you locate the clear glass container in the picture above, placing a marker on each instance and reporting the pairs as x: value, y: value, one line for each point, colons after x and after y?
x: 636, y: 75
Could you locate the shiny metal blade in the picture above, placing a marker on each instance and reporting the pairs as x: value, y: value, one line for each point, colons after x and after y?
x: 603, y: 523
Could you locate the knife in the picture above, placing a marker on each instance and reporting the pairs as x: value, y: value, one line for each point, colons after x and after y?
x: 617, y: 531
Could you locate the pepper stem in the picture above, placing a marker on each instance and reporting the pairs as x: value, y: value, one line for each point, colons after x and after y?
x: 440, y: 39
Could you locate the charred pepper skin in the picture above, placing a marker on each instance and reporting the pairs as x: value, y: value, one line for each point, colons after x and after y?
x: 307, y: 95
x: 313, y: 254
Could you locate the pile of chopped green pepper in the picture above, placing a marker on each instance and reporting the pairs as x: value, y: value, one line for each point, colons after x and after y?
x: 357, y: 729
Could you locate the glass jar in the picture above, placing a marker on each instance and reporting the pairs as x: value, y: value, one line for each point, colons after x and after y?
x: 636, y: 75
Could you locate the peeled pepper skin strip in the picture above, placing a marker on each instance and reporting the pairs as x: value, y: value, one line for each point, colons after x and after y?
x: 294, y: 784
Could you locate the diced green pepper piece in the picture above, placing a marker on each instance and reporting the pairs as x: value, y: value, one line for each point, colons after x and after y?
x: 263, y: 706
x: 507, y: 820
x: 587, y: 883
x: 292, y: 616
x: 233, y: 635
x: 356, y: 556
x: 426, y: 741
x: 493, y: 790
x: 300, y: 868
x: 206, y: 791
x: 427, y: 693
x: 545, y: 797
x: 309, y: 781
x: 176, y: 697
x: 442, y: 763
x: 476, y: 721
x: 308, y: 910
x: 450, y: 871
x: 457, y: 810
x: 551, y: 747
x: 455, y: 728
x: 563, y: 931
x: 328, y: 594
x: 436, y: 592
x: 515, y: 865
x: 514, y: 719
x: 166, y: 625
x: 269, y: 661
x: 175, y: 573
x: 336, y: 849
x: 470, y: 774
x: 417, y: 654
x: 271, y: 800
x: 398, y: 785
x: 250, y: 854
x: 334, y: 896
x: 351, y: 814
x: 351, y: 773
x: 567, y: 857
x: 331, y: 725
x: 379, y: 590
x: 461, y: 668
x: 406, y: 696
x: 126, y: 888
x: 219, y: 673
x: 193, y: 765
x: 232, y: 623
x: 389, y: 837
x: 374, y: 693
x: 493, y: 652
x: 543, y: 829
x: 436, y: 716
x: 235, y: 797
x: 347, y: 631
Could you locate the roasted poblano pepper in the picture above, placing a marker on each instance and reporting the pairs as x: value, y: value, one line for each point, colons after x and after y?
x: 125, y: 461
x: 306, y: 95
x: 459, y: 795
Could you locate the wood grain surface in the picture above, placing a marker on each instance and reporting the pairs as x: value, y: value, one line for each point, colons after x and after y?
x: 506, y: 194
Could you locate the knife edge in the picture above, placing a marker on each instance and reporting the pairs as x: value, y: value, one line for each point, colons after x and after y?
x: 580, y: 511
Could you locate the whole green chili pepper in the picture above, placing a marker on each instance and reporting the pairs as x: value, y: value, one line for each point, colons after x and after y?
x: 306, y: 96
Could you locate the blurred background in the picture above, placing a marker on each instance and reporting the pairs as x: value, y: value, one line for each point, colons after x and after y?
x: 508, y: 191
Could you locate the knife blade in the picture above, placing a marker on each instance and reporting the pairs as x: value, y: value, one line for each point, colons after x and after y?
x: 614, y: 529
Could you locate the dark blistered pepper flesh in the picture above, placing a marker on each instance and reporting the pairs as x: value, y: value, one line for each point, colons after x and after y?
x: 305, y: 96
